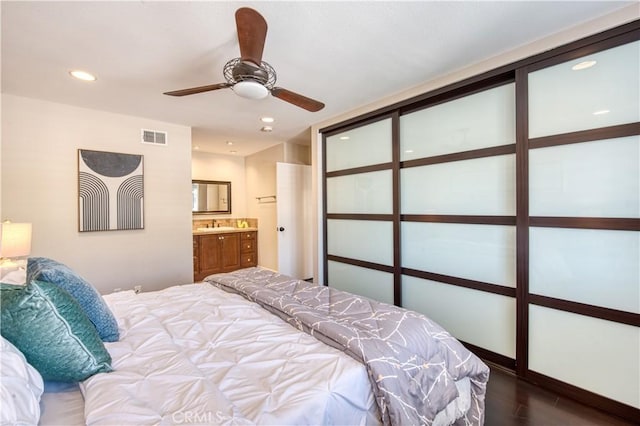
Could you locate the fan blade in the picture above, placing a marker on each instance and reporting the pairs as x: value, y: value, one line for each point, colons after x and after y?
x: 252, y: 32
x: 194, y: 90
x: 296, y: 99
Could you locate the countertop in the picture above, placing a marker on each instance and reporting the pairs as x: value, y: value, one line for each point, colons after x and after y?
x: 223, y: 231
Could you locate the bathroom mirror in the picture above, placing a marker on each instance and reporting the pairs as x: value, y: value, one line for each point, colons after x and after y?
x: 210, y: 197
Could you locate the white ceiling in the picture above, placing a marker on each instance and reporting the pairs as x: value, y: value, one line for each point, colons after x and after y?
x: 345, y: 54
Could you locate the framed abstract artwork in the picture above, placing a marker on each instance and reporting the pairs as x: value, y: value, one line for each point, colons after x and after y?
x: 110, y: 191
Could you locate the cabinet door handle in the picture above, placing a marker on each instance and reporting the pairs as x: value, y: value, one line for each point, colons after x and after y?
x: 221, y: 238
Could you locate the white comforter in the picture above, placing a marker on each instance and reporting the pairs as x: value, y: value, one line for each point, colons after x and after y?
x: 194, y: 354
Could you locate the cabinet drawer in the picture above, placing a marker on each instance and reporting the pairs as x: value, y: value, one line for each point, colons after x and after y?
x: 247, y: 246
x: 248, y: 259
x: 250, y: 235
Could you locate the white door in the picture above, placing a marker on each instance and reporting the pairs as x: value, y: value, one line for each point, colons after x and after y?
x: 293, y: 192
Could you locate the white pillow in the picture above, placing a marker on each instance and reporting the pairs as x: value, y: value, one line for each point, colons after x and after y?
x: 21, y: 387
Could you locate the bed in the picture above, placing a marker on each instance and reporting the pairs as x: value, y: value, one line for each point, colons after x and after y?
x: 257, y: 347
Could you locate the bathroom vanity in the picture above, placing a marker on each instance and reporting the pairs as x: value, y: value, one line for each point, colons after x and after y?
x: 218, y: 250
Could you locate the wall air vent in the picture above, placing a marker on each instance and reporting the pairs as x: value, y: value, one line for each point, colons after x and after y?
x: 153, y: 137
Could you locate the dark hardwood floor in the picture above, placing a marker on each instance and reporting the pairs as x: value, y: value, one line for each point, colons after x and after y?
x: 512, y: 401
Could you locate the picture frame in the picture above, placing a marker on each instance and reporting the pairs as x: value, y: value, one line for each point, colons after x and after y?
x: 110, y: 191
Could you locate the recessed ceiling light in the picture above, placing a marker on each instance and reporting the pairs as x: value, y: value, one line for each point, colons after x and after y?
x: 344, y: 138
x: 602, y: 111
x: 266, y: 129
x: 408, y: 151
x: 267, y: 119
x: 196, y: 147
x: 583, y: 65
x: 229, y: 143
x: 82, y: 75
x: 233, y: 152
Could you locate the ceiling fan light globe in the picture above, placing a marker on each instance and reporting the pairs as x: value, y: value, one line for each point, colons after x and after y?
x: 250, y: 90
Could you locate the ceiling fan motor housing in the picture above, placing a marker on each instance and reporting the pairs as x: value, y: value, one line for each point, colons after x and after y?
x: 237, y: 70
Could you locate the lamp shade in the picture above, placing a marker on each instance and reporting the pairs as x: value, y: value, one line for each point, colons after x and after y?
x: 15, y: 239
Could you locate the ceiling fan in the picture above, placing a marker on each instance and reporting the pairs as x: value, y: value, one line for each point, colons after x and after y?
x: 249, y: 76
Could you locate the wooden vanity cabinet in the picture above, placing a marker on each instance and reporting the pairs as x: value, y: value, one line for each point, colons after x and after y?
x: 223, y: 252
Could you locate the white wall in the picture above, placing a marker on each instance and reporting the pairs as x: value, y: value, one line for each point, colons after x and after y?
x: 297, y: 154
x: 39, y: 185
x: 615, y: 19
x: 230, y: 168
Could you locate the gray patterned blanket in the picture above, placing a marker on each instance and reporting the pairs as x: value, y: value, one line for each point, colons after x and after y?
x: 412, y: 362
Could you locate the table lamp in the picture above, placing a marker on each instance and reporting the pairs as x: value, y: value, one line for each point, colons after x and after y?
x: 15, y: 243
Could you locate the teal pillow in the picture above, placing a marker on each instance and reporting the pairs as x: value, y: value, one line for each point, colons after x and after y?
x: 45, y: 269
x: 52, y: 331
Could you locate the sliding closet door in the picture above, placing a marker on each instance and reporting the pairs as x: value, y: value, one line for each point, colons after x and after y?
x: 584, y: 207
x: 458, y: 239
x: 359, y: 207
x: 506, y: 207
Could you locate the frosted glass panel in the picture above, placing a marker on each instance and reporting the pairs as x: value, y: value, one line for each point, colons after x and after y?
x: 591, y: 179
x: 477, y: 252
x: 483, y: 319
x: 597, y: 355
x: 367, y: 240
x: 366, y: 145
x: 477, y: 121
x: 482, y: 186
x: 584, y: 265
x: 370, y: 283
x: 562, y: 100
x: 361, y: 193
